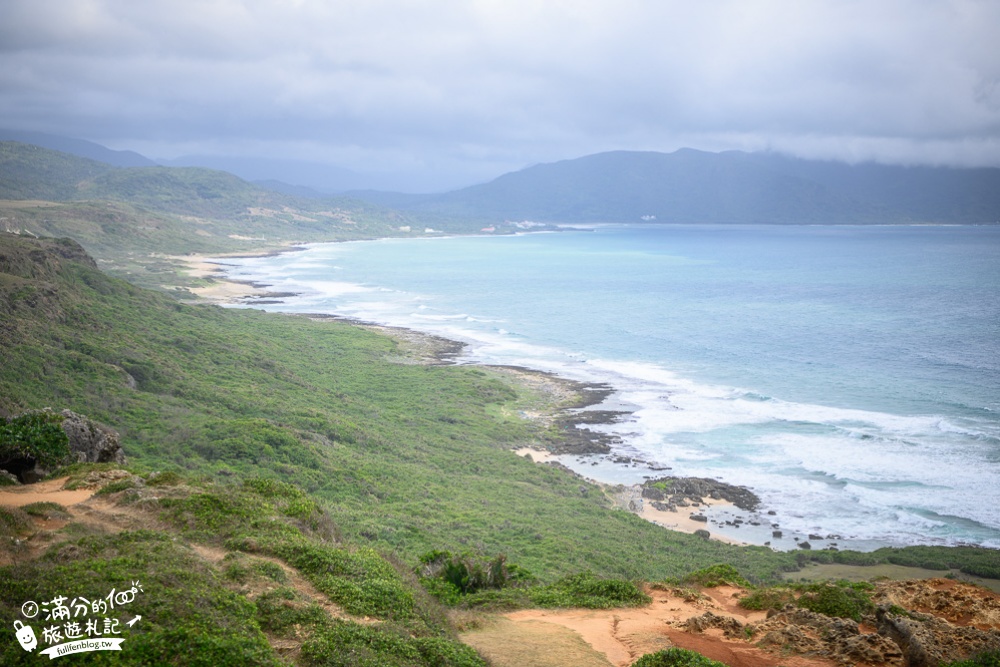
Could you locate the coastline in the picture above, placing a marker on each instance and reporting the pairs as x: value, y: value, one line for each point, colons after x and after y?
x: 574, y: 404
x: 575, y: 399
x: 585, y: 452
x: 629, y: 498
x: 223, y: 291
x: 572, y: 408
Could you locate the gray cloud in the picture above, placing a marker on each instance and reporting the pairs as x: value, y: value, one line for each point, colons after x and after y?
x: 465, y: 89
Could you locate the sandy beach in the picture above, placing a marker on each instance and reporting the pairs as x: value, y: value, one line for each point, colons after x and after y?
x: 222, y: 290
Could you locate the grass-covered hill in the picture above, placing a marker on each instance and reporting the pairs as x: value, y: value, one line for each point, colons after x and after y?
x: 306, y: 451
x: 29, y: 172
x: 122, y: 214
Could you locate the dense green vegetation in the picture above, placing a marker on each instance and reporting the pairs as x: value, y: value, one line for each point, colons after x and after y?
x: 132, y: 218
x: 301, y: 448
x: 223, y: 614
x: 211, y: 197
x: 409, y: 458
x: 840, y: 599
x: 468, y: 581
x: 970, y: 560
x: 35, y: 436
x: 721, y: 574
x: 675, y: 657
x: 987, y: 659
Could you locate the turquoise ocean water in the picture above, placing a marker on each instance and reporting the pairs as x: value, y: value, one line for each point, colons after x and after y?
x: 849, y: 375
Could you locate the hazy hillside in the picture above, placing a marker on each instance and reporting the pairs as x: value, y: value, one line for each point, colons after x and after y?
x: 78, y: 147
x: 32, y: 172
x: 128, y: 217
x: 691, y: 186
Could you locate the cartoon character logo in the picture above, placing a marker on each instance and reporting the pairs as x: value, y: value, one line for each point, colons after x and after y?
x: 26, y: 636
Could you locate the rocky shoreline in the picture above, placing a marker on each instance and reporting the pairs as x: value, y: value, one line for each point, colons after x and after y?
x: 574, y: 408
x: 669, y: 493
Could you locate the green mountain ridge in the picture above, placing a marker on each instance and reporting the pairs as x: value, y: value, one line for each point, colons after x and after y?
x: 79, y: 147
x: 29, y: 172
x: 130, y: 218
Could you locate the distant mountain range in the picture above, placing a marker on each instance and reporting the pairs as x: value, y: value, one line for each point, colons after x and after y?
x: 686, y: 186
x: 690, y: 186
x: 78, y: 147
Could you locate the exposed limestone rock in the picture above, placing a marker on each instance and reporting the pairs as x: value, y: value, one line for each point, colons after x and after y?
x: 90, y: 442
x: 928, y: 641
x: 695, y: 489
x: 840, y: 639
x: 791, y: 638
x: 956, y: 602
x: 732, y: 628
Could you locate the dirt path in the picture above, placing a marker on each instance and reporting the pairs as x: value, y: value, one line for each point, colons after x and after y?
x: 618, y: 637
x: 49, y: 491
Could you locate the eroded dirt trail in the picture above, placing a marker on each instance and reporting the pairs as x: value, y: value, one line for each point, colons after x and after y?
x: 50, y: 491
x: 619, y: 637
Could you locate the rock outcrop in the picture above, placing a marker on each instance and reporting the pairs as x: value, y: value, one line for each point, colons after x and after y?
x: 929, y: 641
x: 839, y: 639
x: 88, y: 441
x: 673, y: 492
x: 91, y: 442
x: 918, y: 623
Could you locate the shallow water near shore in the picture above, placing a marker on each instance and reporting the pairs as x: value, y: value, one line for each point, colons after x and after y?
x: 849, y: 375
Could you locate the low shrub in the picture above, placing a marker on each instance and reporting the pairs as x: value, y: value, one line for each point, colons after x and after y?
x: 168, y: 478
x: 468, y: 573
x: 722, y: 574
x: 762, y: 599
x: 477, y: 583
x: 347, y: 644
x: 675, y: 657
x: 841, y: 599
x: 37, y: 436
x: 14, y: 521
x: 280, y: 611
x: 359, y: 580
x: 115, y: 487
x: 589, y: 591
x: 46, y: 510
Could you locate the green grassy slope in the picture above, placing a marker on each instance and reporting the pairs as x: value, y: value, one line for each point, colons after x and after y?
x: 32, y: 172
x: 409, y: 457
x: 132, y: 219
x: 228, y: 575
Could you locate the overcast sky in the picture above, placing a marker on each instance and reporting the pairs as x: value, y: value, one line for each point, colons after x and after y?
x: 450, y: 92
